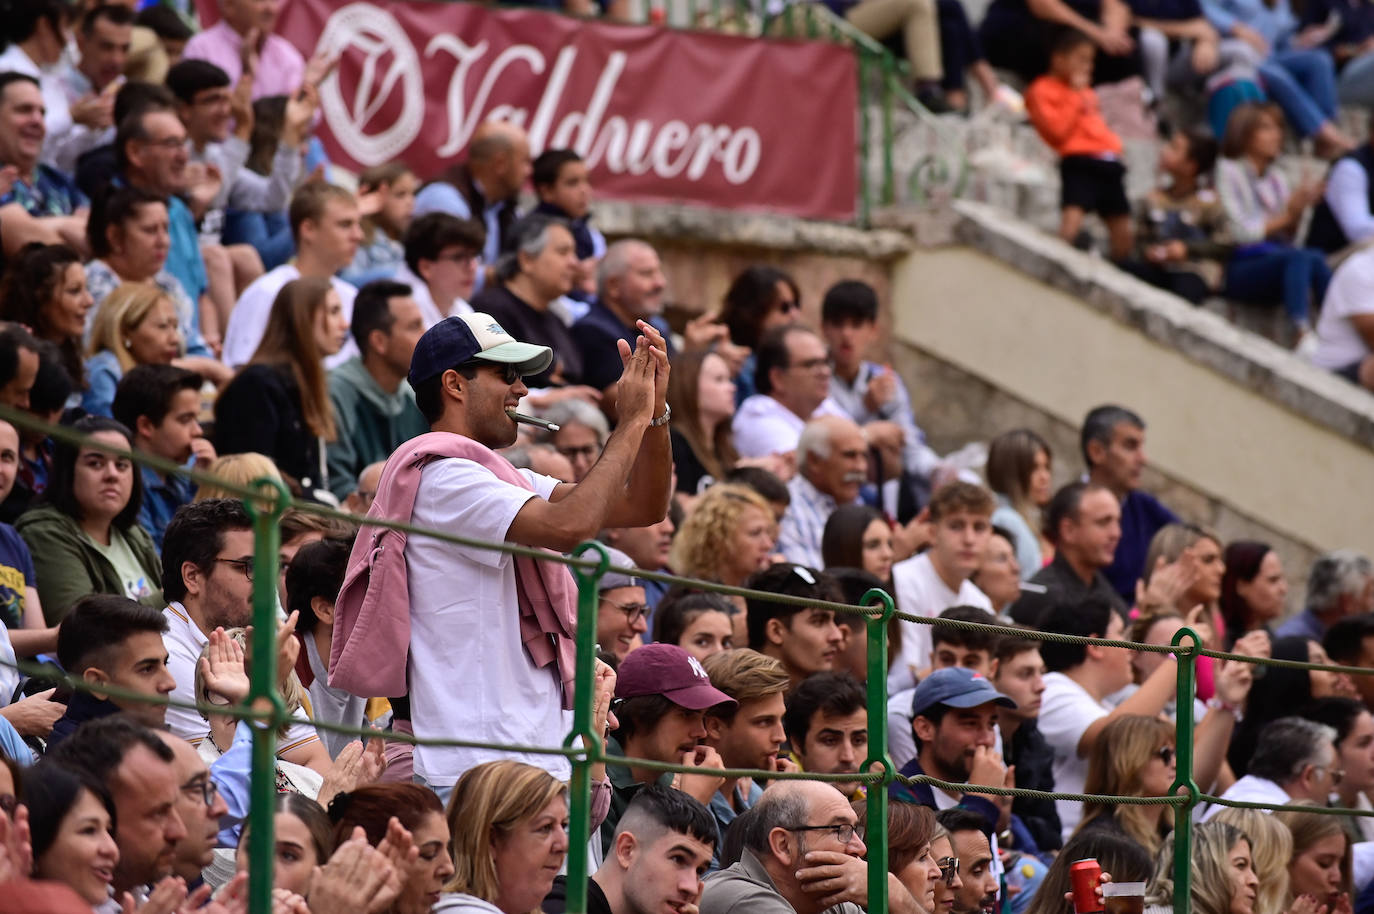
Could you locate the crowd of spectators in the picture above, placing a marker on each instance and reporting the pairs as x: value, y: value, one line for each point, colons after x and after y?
x: 180, y: 281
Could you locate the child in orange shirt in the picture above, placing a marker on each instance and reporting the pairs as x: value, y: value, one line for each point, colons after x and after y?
x: 1063, y: 109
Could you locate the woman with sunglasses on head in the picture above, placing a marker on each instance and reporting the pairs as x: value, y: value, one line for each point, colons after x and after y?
x: 1133, y: 758
x: 698, y: 622
x: 85, y: 536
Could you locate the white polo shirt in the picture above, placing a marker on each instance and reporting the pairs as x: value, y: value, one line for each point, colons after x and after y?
x: 185, y: 641
x: 919, y: 590
x: 1066, y: 712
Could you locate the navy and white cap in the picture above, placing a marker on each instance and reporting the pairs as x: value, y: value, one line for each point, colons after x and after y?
x: 956, y: 687
x: 462, y: 338
x: 612, y: 578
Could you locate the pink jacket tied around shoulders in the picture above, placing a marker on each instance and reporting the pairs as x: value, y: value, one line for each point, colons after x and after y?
x: 372, y: 616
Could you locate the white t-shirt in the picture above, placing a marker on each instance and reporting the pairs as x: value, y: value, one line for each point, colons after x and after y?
x: 920, y: 592
x: 1066, y: 712
x: 763, y: 426
x: 470, y: 675
x: 1351, y: 292
x: 419, y: 291
x: 184, y: 642
x: 248, y: 320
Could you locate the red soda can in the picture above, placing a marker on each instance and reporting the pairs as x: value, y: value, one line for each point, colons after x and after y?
x: 1083, y: 876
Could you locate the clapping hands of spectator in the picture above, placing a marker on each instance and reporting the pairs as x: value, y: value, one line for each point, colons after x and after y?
x: 222, y: 668
x: 170, y: 897
x: 300, y: 113
x: 1168, y: 583
x: 1307, y: 904
x: 635, y: 394
x: 354, y: 767
x: 241, y: 106
x: 658, y: 350
x: 398, y: 847
x: 705, y: 331
x: 909, y: 538
x: 16, y: 848
x: 94, y: 111
x: 603, y: 691
x: 34, y: 715
x: 318, y: 67
x: 701, y: 786
x: 358, y: 877
x: 203, y: 183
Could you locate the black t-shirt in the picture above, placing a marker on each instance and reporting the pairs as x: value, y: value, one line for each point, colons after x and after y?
x: 690, y: 470
x: 542, y: 328
x: 556, y: 902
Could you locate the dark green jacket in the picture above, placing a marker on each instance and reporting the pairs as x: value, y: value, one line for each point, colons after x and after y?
x: 369, y: 423
x: 69, y: 567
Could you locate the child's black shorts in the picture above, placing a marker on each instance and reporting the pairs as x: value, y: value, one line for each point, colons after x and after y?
x: 1093, y: 185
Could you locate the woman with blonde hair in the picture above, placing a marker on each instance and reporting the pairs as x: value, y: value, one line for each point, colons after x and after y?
x: 236, y: 470
x: 136, y: 324
x: 728, y: 536
x: 1320, y: 865
x: 1134, y: 757
x: 1223, y: 879
x: 1019, y: 473
x: 508, y: 824
x: 279, y: 404
x: 1271, y: 847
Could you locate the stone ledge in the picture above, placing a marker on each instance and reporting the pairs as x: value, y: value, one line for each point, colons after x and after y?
x: 620, y: 218
x: 1204, y: 337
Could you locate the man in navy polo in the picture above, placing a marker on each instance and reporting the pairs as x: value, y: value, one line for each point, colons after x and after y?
x: 629, y: 288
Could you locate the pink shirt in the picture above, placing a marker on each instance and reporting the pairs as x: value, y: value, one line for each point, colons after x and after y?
x: 281, y: 69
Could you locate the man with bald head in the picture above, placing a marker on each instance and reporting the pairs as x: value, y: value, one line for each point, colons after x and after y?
x: 802, y: 855
x: 629, y: 288
x: 832, y: 465
x: 486, y: 186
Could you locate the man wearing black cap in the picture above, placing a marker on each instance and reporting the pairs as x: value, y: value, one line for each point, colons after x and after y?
x: 487, y: 660
x: 662, y: 694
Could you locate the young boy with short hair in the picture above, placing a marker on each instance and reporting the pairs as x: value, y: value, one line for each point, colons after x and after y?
x: 1064, y: 111
x: 564, y: 189
x: 160, y: 404
x: 805, y: 638
x: 111, y: 640
x: 960, y: 515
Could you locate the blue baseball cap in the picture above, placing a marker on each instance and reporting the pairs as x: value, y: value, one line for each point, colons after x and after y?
x: 957, y: 687
x: 464, y: 337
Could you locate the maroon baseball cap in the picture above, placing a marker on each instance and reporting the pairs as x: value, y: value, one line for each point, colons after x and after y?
x: 668, y: 670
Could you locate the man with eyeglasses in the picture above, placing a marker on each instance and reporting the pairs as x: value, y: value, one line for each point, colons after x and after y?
x: 622, y: 615
x: 793, y: 382
x: 207, y: 575
x: 968, y: 834
x: 803, y: 854
x: 443, y: 258
x: 1295, y: 761
x: 200, y: 806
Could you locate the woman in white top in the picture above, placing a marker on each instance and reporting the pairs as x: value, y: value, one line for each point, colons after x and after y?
x: 508, y: 821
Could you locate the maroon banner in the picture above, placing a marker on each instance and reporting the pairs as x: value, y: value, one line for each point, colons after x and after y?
x: 659, y: 115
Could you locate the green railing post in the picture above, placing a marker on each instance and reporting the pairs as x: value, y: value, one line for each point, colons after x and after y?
x: 1187, y: 658
x: 580, y: 808
x: 875, y: 834
x: 262, y: 690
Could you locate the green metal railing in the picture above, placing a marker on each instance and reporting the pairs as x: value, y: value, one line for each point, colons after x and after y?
x: 264, y: 710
